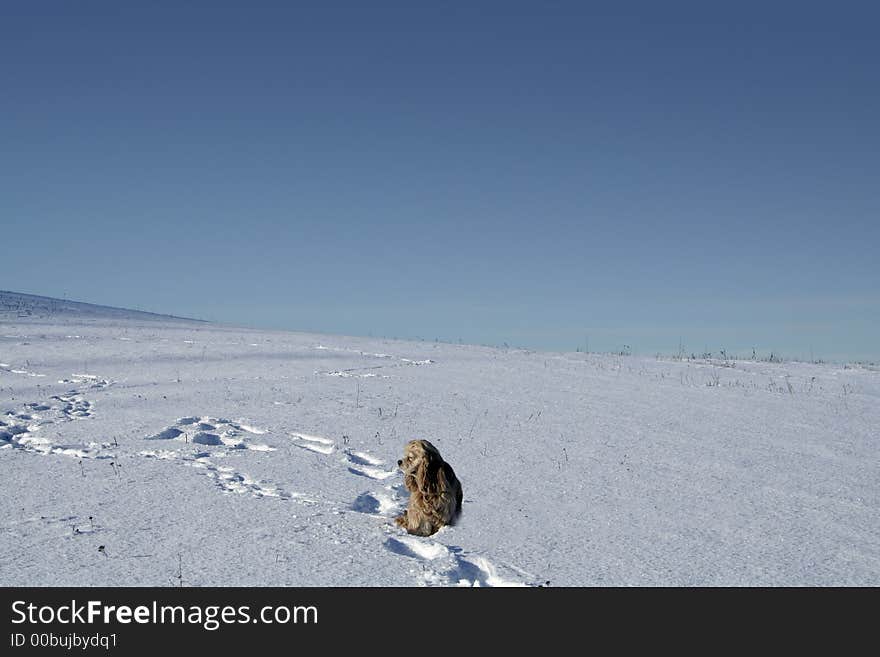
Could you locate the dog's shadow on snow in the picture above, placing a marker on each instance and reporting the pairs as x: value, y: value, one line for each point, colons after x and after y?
x: 366, y: 503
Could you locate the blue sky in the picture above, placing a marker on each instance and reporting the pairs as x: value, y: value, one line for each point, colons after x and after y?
x: 540, y: 174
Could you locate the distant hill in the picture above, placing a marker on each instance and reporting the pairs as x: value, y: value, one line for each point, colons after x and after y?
x: 17, y: 305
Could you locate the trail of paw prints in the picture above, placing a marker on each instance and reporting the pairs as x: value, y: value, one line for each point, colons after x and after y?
x: 230, y: 480
x: 92, y: 380
x: 22, y: 431
x: 16, y: 427
x: 382, y: 503
x: 213, y: 432
x: 6, y: 367
x: 368, y: 371
x: 19, y: 428
x: 362, y: 464
x: 356, y: 373
x: 366, y: 354
x: 215, y: 438
x: 25, y: 428
x: 226, y: 478
x: 442, y: 565
x: 67, y: 526
x: 73, y: 406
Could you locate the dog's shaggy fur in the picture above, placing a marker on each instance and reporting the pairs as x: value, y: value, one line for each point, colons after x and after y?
x: 435, y: 492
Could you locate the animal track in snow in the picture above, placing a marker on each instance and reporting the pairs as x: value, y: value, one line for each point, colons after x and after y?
x: 447, y: 565
x: 353, y: 351
x: 213, y: 432
x: 6, y: 367
x: 166, y: 434
x: 359, y: 463
x: 413, y: 547
x: 362, y: 458
x: 367, y: 354
x: 91, y: 379
x: 73, y: 406
x: 385, y: 503
x: 230, y: 437
x: 227, y: 478
x: 67, y: 526
x: 313, y: 443
x: 351, y: 374
x: 15, y: 430
x: 230, y: 480
x: 22, y: 429
x: 362, y: 464
x: 365, y: 465
x: 477, y: 571
x: 251, y: 429
x: 367, y: 371
x: 161, y: 454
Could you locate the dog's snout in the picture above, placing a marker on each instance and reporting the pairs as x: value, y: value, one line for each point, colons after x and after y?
x: 399, y: 461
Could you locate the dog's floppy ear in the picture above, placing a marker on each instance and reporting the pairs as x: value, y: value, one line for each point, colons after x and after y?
x: 440, y: 483
x: 423, y: 473
x: 430, y: 475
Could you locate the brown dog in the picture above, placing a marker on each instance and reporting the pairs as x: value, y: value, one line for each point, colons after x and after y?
x: 435, y: 492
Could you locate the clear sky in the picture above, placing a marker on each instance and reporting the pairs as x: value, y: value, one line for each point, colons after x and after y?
x: 540, y: 173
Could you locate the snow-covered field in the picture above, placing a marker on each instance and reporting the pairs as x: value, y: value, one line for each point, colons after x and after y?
x: 141, y: 450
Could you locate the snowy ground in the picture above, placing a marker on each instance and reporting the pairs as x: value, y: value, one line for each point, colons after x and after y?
x: 227, y: 456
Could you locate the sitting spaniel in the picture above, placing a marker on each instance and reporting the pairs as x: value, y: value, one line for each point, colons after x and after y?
x: 435, y: 492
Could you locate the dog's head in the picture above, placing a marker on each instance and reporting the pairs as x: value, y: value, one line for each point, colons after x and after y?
x: 421, y: 464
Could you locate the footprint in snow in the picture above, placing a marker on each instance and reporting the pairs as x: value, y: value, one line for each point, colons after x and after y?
x: 230, y: 480
x: 447, y: 565
x: 313, y: 443
x: 211, y: 431
x: 26, y: 438
x: 22, y: 428
x: 205, y: 438
x: 226, y: 478
x: 73, y: 406
x: 166, y: 434
x: 366, y: 465
x: 223, y: 438
x: 384, y: 503
x: 410, y: 546
x: 91, y: 379
x: 359, y: 463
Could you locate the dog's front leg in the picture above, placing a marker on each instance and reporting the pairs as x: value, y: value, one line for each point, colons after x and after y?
x: 401, y: 519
